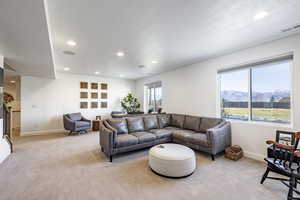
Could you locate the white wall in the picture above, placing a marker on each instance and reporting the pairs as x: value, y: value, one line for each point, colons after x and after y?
x: 44, y: 101
x: 193, y: 90
x: 4, y: 146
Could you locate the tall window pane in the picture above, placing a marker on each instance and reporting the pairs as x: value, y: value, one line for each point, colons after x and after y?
x: 235, y: 95
x: 271, y: 100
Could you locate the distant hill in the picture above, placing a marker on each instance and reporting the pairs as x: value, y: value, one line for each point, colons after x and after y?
x: 237, y: 96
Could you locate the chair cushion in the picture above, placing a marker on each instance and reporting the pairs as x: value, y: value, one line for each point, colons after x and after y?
x: 191, y: 123
x: 124, y: 140
x: 199, y: 138
x: 135, y: 124
x: 207, y: 123
x: 119, y: 124
x: 177, y: 120
x: 144, y: 136
x: 75, y: 116
x: 161, y: 133
x: 80, y: 124
x: 150, y: 122
x: 182, y: 134
x: 163, y: 120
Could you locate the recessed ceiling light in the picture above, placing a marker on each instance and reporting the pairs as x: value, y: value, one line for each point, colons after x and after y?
x: 67, y: 69
x: 71, y: 43
x: 154, y: 61
x: 260, y: 15
x: 120, y: 53
x: 121, y: 75
x: 12, y: 81
x: 97, y: 72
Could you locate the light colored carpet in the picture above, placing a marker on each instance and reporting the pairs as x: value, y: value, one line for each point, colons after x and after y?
x: 72, y: 167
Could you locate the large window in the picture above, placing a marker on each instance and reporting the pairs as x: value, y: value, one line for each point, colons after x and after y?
x: 259, y: 92
x: 153, y: 96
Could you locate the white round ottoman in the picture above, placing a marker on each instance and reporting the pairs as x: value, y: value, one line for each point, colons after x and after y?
x: 172, y: 160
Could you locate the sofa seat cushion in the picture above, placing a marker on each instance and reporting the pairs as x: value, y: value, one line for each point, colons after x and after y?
x: 80, y: 124
x: 161, y: 133
x: 124, y: 140
x: 135, y: 124
x: 199, y: 138
x: 144, y: 137
x: 119, y: 124
x: 182, y: 134
x: 171, y: 128
x: 150, y: 122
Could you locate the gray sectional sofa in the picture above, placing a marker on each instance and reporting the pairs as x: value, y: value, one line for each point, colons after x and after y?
x: 119, y: 135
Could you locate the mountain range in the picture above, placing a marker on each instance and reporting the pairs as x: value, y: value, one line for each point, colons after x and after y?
x: 237, y: 96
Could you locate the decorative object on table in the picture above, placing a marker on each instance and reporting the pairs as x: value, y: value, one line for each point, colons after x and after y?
x: 103, y: 95
x: 172, y: 160
x: 98, y: 117
x: 159, y: 110
x: 96, y: 125
x: 75, y: 122
x: 104, y: 104
x: 285, y: 137
x: 83, y: 105
x: 104, y: 86
x: 94, y: 86
x: 234, y: 152
x: 285, y: 165
x: 83, y: 85
x: 83, y: 95
x: 94, y: 95
x: 94, y: 104
x: 150, y: 110
x: 130, y: 103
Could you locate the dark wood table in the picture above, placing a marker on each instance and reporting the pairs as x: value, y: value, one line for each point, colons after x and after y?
x: 95, y: 125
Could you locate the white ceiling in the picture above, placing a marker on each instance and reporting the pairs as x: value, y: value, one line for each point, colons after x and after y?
x: 24, y: 39
x: 173, y: 32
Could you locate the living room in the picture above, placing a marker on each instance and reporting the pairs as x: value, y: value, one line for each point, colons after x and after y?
x: 227, y: 78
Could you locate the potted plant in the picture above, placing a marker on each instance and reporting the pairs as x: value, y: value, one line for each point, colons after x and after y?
x: 130, y: 104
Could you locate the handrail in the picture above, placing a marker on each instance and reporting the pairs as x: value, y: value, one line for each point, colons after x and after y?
x: 7, y: 124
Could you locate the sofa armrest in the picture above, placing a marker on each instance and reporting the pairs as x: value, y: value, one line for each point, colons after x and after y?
x: 219, y: 137
x: 107, y: 137
x: 68, y: 123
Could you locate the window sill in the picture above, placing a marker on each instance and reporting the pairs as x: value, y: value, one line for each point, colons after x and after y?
x: 271, y: 124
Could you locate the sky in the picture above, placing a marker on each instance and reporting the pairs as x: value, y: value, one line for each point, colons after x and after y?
x: 266, y: 78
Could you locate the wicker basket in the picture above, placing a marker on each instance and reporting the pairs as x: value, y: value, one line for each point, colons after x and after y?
x: 234, y: 152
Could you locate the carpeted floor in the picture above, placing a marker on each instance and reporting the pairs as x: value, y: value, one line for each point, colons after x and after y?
x: 71, y: 167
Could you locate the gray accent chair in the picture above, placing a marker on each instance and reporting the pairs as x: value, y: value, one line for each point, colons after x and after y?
x: 75, y: 122
x: 210, y: 135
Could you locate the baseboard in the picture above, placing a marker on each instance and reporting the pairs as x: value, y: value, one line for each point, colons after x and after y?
x: 42, y: 132
x: 254, y: 156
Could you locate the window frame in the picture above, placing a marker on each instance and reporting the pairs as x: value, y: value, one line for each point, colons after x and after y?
x: 147, y: 95
x: 250, y: 67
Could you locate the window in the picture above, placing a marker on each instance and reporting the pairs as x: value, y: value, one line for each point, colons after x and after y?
x: 153, y: 96
x: 258, y: 92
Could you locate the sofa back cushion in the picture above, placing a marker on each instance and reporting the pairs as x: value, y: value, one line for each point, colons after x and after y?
x: 119, y: 124
x: 209, y: 122
x: 75, y: 116
x: 163, y: 120
x: 135, y: 124
x: 177, y: 120
x: 192, y: 123
x: 150, y: 122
